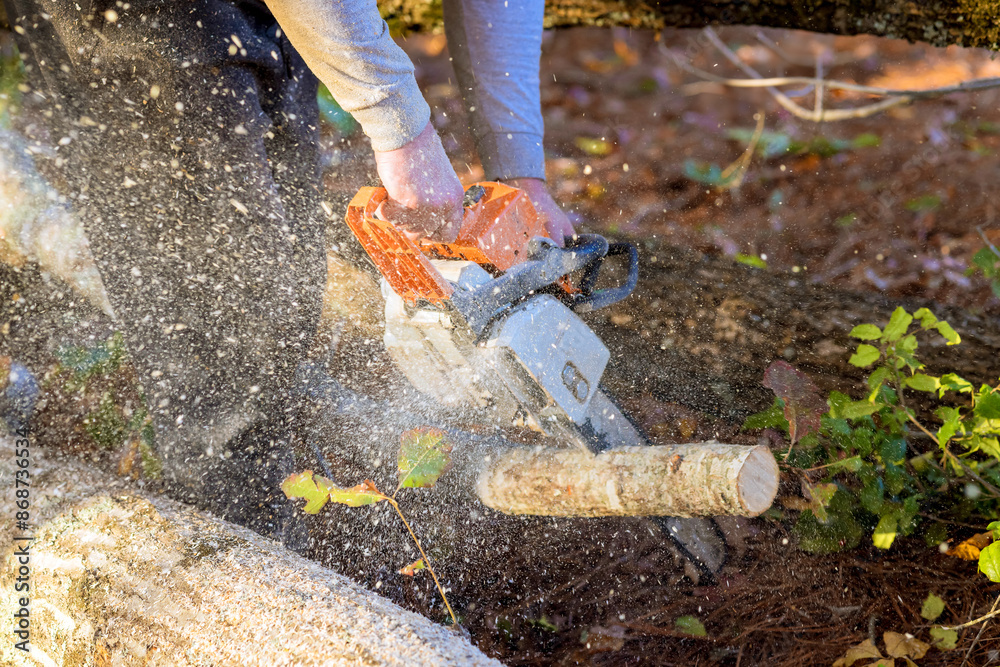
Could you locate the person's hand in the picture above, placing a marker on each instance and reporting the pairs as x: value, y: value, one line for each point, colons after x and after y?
x: 425, y: 195
x: 556, y: 221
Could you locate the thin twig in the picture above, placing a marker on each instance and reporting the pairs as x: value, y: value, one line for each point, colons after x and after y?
x: 971, y: 85
x: 734, y: 174
x: 427, y: 561
x: 989, y: 245
x: 788, y: 104
x: 818, y: 106
x: 980, y: 633
x: 819, y: 113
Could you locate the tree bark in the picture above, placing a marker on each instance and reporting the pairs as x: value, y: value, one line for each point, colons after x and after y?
x: 940, y: 22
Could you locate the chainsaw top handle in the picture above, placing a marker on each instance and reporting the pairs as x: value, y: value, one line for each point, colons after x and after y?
x: 500, y: 230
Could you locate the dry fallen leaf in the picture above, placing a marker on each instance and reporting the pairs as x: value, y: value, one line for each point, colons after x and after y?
x: 863, y: 651
x: 904, y: 646
x: 970, y: 548
x: 412, y: 568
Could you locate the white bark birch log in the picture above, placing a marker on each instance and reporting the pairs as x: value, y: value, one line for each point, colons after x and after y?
x: 703, y: 479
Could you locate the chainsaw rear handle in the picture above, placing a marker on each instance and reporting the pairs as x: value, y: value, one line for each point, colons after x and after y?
x: 588, y: 299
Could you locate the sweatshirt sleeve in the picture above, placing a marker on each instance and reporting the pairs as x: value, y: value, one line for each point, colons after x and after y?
x: 347, y: 46
x: 496, y: 46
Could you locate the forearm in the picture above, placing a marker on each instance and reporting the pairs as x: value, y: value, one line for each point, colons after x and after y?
x: 347, y: 45
x: 496, y: 46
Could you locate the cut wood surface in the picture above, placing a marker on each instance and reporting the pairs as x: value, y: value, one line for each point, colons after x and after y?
x: 125, y: 577
x: 699, y: 479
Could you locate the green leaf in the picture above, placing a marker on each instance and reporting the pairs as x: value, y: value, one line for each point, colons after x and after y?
x: 989, y: 562
x: 988, y: 404
x: 364, y: 493
x: 994, y: 528
x: 948, y: 333
x: 593, y: 146
x: 907, y: 344
x: 872, y: 494
x: 850, y: 464
x: 877, y: 378
x: 751, y: 260
x: 819, y: 496
x: 926, y: 317
x: 885, y: 531
x: 922, y: 382
x: 986, y: 261
x: 773, y: 417
x: 952, y: 382
x: 864, y: 356
x: 866, y: 332
x: 544, y: 623
x: 837, y: 401
x: 932, y: 608
x: 924, y: 203
x: 690, y: 625
x: 858, y: 409
x: 424, y: 455
x: 990, y: 446
x: 944, y: 639
x: 304, y: 485
x: 866, y: 140
x: 898, y: 324
x: 841, y: 532
x: 893, y: 450
x: 952, y: 418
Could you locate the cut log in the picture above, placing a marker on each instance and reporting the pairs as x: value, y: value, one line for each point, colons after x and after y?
x: 702, y: 479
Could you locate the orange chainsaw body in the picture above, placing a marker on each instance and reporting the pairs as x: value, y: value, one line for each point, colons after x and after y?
x: 494, y: 233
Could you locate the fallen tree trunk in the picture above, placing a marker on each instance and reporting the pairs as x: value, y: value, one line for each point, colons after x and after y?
x: 942, y: 22
x: 702, y: 479
x: 121, y: 576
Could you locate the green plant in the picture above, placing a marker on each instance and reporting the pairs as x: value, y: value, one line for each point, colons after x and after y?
x: 871, y: 465
x: 987, y: 262
x: 120, y: 418
x: 424, y: 455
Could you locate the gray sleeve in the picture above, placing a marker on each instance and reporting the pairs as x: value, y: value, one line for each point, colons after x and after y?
x: 347, y: 45
x: 496, y: 46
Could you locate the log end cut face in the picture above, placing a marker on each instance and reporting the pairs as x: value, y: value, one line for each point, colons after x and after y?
x: 758, y: 481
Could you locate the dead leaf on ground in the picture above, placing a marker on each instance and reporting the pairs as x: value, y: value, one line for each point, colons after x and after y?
x: 412, y: 568
x: 904, y: 645
x: 970, y: 548
x: 863, y: 651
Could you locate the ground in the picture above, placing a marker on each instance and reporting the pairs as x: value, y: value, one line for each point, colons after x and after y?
x: 896, y: 204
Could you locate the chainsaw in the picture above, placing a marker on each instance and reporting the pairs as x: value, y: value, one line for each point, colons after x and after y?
x: 491, y: 320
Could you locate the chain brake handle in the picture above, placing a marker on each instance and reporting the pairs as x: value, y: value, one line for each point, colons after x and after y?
x: 590, y: 299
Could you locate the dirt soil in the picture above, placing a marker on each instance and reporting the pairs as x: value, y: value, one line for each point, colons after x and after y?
x: 897, y: 203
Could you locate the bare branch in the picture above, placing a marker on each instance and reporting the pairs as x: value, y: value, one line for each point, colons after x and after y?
x: 819, y: 84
